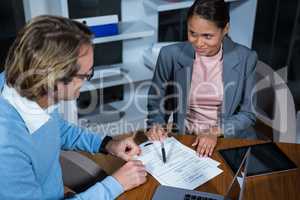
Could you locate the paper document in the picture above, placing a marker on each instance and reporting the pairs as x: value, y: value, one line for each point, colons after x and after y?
x: 183, y: 169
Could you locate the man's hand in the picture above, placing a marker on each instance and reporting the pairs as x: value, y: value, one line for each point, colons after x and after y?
x: 157, y: 133
x: 131, y: 175
x: 125, y: 148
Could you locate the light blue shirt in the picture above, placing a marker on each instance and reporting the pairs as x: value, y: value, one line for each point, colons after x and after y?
x: 29, y: 153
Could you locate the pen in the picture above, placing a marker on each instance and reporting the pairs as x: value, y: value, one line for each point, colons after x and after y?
x: 163, y: 152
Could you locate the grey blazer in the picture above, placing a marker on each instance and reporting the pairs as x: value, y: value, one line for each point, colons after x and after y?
x: 171, y: 82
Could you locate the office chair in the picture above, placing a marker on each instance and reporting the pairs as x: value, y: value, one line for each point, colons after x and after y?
x: 79, y: 172
x: 294, y: 86
x: 275, y: 104
x: 298, y: 127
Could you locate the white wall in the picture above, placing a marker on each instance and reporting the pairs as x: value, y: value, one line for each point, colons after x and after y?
x: 39, y: 7
x: 242, y: 14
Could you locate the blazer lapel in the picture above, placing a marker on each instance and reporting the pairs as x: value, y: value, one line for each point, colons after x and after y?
x: 183, y: 76
x: 231, y: 74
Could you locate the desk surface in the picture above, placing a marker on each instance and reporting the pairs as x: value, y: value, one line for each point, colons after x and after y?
x: 282, y: 185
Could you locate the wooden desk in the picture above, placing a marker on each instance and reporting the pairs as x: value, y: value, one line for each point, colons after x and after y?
x: 285, y: 185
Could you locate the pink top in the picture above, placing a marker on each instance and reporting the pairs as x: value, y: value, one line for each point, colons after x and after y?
x: 206, y: 93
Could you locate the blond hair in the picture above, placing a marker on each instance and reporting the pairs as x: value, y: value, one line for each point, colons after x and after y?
x: 45, y: 51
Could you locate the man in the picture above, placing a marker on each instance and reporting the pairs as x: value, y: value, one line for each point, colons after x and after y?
x: 48, y: 62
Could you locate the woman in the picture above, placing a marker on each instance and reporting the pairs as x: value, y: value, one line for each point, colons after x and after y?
x: 205, y: 83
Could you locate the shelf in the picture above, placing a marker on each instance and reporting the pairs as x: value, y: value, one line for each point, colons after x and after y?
x: 107, y: 71
x: 130, y: 73
x: 165, y: 5
x: 128, y: 30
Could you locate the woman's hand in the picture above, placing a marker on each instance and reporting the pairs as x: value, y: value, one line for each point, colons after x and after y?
x: 157, y: 133
x: 205, y: 144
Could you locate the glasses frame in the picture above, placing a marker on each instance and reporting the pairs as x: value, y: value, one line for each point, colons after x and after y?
x: 86, y: 77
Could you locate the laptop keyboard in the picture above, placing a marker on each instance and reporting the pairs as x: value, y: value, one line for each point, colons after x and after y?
x: 195, y: 197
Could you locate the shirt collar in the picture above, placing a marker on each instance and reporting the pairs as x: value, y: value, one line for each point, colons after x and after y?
x: 32, y: 114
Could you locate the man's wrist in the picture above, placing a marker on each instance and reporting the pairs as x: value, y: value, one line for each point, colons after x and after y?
x: 103, y: 147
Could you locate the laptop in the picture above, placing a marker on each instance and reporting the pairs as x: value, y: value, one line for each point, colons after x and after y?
x: 235, y: 190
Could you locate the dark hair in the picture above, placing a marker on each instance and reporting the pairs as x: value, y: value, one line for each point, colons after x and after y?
x: 216, y: 11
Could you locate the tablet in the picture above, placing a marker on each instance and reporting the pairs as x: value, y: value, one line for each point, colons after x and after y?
x: 264, y: 159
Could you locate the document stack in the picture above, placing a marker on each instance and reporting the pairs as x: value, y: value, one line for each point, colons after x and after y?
x: 182, y: 169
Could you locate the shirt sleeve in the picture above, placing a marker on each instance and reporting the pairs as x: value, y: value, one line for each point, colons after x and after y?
x: 107, y: 189
x: 76, y: 138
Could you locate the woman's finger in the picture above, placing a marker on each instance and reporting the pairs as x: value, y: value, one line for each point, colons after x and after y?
x: 150, y: 137
x: 203, y: 149
x: 196, y: 141
x: 207, y: 150
x: 164, y: 135
x: 200, y: 146
x: 160, y: 134
x: 198, y: 149
x: 211, y: 150
x: 156, y: 136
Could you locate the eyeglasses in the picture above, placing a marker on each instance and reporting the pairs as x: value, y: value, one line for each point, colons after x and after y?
x: 86, y: 77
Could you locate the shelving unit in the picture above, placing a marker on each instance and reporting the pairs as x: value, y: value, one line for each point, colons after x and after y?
x: 127, y: 31
x: 133, y: 119
x: 166, y: 5
x: 163, y: 5
x: 130, y: 73
x: 101, y: 72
